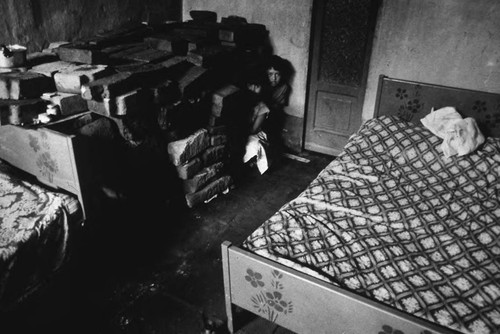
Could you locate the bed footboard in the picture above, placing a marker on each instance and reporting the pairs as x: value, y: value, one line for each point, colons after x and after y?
x: 305, y: 304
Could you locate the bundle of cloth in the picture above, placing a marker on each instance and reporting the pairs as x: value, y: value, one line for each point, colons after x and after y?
x: 460, y: 135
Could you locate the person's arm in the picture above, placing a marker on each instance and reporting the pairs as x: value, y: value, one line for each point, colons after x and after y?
x: 261, y: 113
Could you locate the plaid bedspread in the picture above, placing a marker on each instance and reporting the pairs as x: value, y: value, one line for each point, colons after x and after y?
x: 34, y: 231
x: 394, y: 220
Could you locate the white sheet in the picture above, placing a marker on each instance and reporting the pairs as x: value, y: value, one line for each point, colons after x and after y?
x: 460, y: 136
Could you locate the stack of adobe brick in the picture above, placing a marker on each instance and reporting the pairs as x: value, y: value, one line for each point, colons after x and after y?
x: 176, y: 77
x: 24, y: 94
x: 200, y: 163
x: 201, y: 158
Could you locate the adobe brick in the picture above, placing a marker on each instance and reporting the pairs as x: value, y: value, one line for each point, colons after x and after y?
x: 183, y: 150
x: 217, y: 140
x: 209, y: 56
x: 213, y: 188
x: 220, y: 96
x: 79, y: 54
x: 168, y: 43
x: 149, y: 56
x: 49, y: 69
x: 189, y: 169
x: 110, y: 86
x: 132, y: 102
x: 123, y: 104
x: 165, y: 93
x: 149, y: 75
x: 38, y: 58
x: 213, y: 154
x: 68, y: 103
x: 202, y: 178
x: 72, y: 78
x: 106, y: 107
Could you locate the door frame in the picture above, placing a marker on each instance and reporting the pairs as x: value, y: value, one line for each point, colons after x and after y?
x: 313, y: 68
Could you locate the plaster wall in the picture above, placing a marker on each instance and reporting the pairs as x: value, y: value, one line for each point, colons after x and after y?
x: 447, y: 42
x: 289, y: 25
x: 36, y: 23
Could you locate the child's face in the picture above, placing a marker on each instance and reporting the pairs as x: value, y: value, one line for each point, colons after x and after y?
x: 274, y: 76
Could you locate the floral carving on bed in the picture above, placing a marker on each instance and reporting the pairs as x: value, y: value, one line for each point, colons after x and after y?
x: 270, y: 302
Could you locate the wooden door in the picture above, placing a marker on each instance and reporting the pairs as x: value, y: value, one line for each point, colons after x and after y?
x: 341, y: 45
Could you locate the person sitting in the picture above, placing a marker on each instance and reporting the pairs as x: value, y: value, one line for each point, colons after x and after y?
x: 277, y: 90
x: 257, y: 141
x: 264, y: 141
x: 275, y: 93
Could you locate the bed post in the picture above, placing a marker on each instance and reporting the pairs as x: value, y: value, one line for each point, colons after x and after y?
x: 381, y: 78
x: 227, y: 285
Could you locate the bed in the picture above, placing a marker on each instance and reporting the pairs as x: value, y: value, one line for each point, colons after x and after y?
x: 37, y: 226
x: 47, y: 187
x: 390, y: 237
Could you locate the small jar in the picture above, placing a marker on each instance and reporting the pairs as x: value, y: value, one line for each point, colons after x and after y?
x: 12, y: 56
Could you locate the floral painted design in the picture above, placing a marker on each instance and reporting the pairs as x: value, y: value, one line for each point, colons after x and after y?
x: 401, y: 93
x: 45, y: 140
x: 255, y: 279
x: 479, y: 106
x: 271, y: 302
x: 33, y: 142
x: 47, y: 166
x: 493, y: 120
x: 490, y: 116
x: 410, y: 105
x: 440, y: 263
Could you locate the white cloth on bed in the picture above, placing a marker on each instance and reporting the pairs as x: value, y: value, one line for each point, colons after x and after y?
x: 460, y: 136
x: 391, y: 220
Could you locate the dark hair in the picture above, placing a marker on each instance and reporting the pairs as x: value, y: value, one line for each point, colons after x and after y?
x: 277, y: 63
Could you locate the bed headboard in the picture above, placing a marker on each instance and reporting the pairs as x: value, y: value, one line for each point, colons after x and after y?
x: 413, y: 100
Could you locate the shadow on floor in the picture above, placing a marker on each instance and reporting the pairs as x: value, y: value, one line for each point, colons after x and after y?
x: 156, y: 267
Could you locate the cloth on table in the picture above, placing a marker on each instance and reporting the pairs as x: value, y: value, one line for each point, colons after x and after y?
x: 460, y: 136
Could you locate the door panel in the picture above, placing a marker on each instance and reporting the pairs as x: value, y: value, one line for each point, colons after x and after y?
x: 341, y: 43
x: 334, y: 113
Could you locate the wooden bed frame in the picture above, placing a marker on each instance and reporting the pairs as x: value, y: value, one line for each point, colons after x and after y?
x: 312, y: 306
x: 305, y: 304
x: 52, y: 154
x: 413, y: 100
